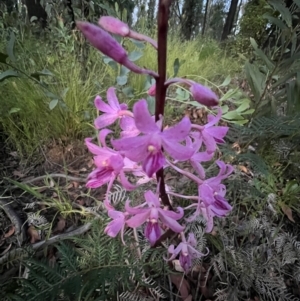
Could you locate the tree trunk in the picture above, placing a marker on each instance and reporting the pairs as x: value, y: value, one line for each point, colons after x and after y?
x: 35, y: 9
x: 229, y: 20
x: 71, y: 13
x: 9, y: 5
x: 205, y: 17
x: 236, y: 19
x: 150, y: 13
x: 191, y: 16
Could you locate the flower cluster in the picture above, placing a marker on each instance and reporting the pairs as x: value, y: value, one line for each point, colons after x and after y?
x: 145, y: 147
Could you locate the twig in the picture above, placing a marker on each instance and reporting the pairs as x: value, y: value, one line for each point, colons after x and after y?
x: 62, y: 236
x: 47, y: 242
x: 12, y: 215
x: 55, y: 175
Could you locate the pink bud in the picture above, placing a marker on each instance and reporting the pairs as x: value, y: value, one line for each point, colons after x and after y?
x: 152, y: 90
x: 102, y: 41
x: 114, y: 26
x: 204, y: 95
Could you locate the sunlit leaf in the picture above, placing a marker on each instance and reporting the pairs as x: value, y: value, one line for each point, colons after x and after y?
x: 138, y: 44
x: 135, y: 55
x: 13, y: 110
x: 151, y: 104
x: 275, y: 21
x: 176, y: 66
x: 232, y: 115
x: 283, y: 10
x: 261, y: 54
x: 122, y: 80
x: 10, y: 46
x: 53, y: 103
x: 230, y: 93
x: 226, y: 82
x: 243, y: 107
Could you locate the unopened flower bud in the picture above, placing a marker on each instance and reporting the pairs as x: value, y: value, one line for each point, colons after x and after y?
x: 114, y: 26
x: 102, y: 41
x: 152, y: 90
x: 204, y: 95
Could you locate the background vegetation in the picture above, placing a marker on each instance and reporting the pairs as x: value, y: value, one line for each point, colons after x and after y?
x: 246, y: 51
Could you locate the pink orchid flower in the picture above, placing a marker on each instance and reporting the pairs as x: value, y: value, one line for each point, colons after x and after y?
x: 112, y: 111
x: 109, y: 164
x: 187, y: 252
x: 209, y: 134
x: 148, y: 147
x: 211, y: 197
x: 154, y: 215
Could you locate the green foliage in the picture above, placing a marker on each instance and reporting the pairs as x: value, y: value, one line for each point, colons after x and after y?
x: 274, y: 77
x: 97, y: 267
x: 252, y: 25
x: 48, y: 95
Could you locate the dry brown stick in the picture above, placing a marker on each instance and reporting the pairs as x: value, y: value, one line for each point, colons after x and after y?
x: 12, y: 215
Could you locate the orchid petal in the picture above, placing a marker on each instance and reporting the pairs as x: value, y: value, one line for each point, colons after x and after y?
x: 172, y: 214
x: 152, y: 232
x: 93, y: 148
x: 104, y: 120
x: 206, y: 194
x: 135, y: 148
x: 116, y: 162
x: 102, y: 106
x: 202, y: 157
x: 125, y: 183
x: 171, y: 223
x: 128, y: 126
x: 102, y: 136
x: 178, y: 132
x: 213, y: 119
x: 112, y: 99
x: 115, y: 214
x: 151, y: 198
x: 153, y: 163
x: 191, y: 239
x: 209, y: 221
x: 209, y: 142
x: 218, y: 132
x: 177, y: 151
x: 95, y: 182
x: 199, y: 169
x: 143, y: 120
x: 138, y: 219
x: 114, y: 227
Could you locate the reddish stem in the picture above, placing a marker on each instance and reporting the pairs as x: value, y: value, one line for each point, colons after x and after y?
x: 163, y: 16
